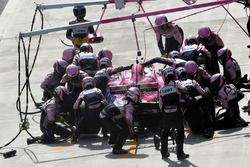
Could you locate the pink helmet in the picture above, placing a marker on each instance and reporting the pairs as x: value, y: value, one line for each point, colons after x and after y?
x: 105, y: 53
x: 72, y: 70
x: 204, y: 32
x: 60, y: 66
x: 217, y: 81
x: 105, y: 62
x: 86, y: 47
x: 133, y: 94
x: 88, y: 82
x: 160, y: 20
x: 167, y: 71
x: 224, y: 54
x: 60, y: 91
x: 68, y: 54
x: 191, y: 67
x: 174, y: 54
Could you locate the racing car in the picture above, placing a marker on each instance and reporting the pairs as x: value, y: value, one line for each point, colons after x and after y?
x: 147, y: 112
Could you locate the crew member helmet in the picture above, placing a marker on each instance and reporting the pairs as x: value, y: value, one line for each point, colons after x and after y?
x: 180, y: 73
x: 88, y: 82
x: 161, y: 22
x: 68, y: 54
x: 217, y: 81
x: 191, y: 40
x: 72, y: 71
x: 167, y: 73
x: 133, y: 94
x: 105, y: 62
x: 223, y: 55
x: 60, y: 66
x: 105, y: 52
x: 60, y: 91
x: 86, y: 47
x: 204, y: 33
x: 174, y: 54
x: 191, y: 67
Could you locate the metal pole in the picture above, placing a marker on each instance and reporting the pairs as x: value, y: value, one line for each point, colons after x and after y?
x: 172, y: 10
x: 123, y: 18
x: 69, y: 4
x: 236, y: 21
x: 49, y: 30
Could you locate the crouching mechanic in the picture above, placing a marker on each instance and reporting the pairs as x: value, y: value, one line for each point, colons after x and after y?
x: 87, y: 107
x: 231, y: 68
x: 172, y: 116
x: 53, y: 78
x: 229, y: 98
x: 118, y: 119
x: 50, y: 112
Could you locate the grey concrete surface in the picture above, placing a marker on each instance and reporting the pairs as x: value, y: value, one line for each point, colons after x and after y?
x: 228, y: 147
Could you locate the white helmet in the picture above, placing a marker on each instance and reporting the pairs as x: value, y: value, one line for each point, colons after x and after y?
x: 167, y: 71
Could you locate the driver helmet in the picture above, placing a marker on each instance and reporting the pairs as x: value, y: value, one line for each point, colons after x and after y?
x: 133, y: 94
x: 60, y: 66
x: 79, y: 11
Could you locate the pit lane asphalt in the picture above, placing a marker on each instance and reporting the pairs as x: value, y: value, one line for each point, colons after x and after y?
x: 227, y: 148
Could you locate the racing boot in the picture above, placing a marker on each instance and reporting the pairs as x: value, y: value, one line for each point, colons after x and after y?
x: 182, y: 156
